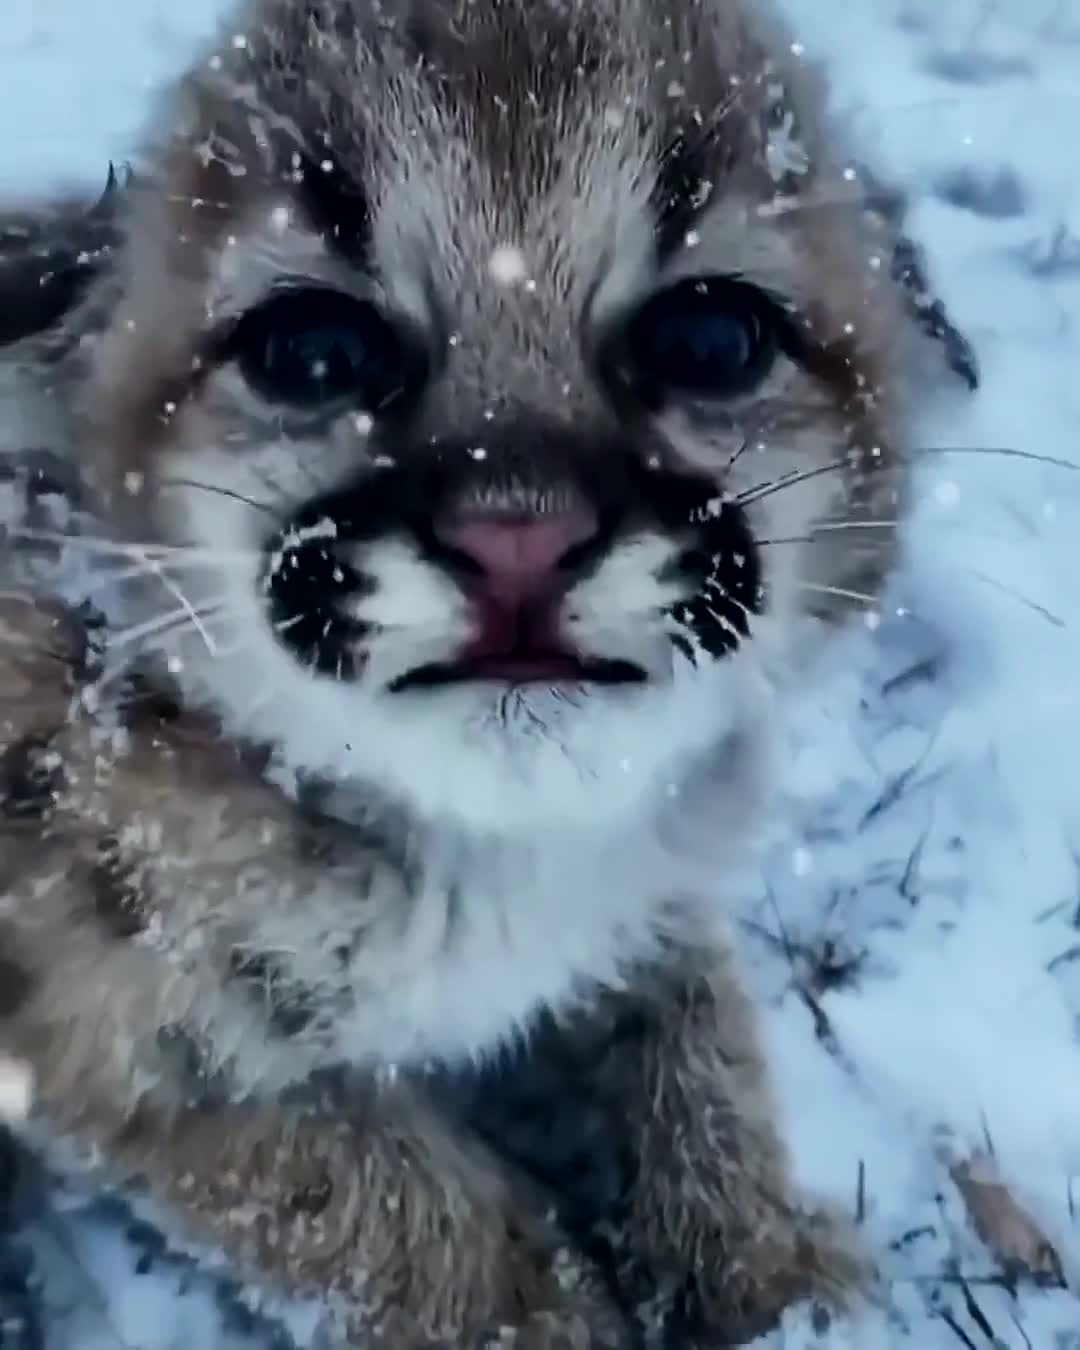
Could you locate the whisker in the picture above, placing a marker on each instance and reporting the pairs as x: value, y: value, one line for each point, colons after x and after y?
x: 1020, y: 599
x: 744, y: 446
x: 173, y: 588
x: 1003, y: 451
x: 840, y: 593
x: 761, y: 490
x: 106, y: 547
x: 149, y: 565
x: 172, y: 618
x: 150, y: 557
x: 116, y: 578
x: 121, y: 575
x: 219, y: 491
x: 828, y: 526
x: 122, y: 549
x: 115, y: 669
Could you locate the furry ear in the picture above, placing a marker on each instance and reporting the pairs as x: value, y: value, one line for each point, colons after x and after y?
x: 908, y: 268
x: 49, y: 258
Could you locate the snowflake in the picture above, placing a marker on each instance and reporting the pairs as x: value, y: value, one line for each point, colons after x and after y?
x: 507, y: 265
x: 784, y: 152
x: 802, y: 862
x: 16, y: 1088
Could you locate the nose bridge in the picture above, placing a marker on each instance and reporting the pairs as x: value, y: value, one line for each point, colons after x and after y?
x: 508, y: 362
x: 512, y: 425
x: 513, y: 416
x: 518, y: 545
x: 523, y: 463
x: 516, y: 327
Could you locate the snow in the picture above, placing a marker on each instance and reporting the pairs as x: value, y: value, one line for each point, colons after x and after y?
x: 915, y: 935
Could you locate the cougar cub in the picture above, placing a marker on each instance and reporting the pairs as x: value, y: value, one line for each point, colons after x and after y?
x: 478, y: 401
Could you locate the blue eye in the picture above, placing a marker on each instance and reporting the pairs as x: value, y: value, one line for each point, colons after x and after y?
x: 314, y: 346
x: 710, y: 337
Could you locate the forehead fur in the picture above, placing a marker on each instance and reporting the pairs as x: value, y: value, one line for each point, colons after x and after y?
x: 352, y: 73
x: 535, y: 119
x: 616, y: 144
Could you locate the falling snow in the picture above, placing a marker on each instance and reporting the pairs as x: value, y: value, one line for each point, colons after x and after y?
x: 910, y: 936
x: 507, y: 265
x: 16, y: 1089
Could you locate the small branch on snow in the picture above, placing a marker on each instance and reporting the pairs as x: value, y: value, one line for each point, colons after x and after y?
x: 1065, y: 958
x: 955, y: 1327
x: 908, y: 887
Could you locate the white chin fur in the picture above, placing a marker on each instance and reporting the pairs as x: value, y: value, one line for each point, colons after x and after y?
x: 484, y: 757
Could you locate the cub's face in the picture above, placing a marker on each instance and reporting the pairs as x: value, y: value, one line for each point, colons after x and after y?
x: 504, y: 383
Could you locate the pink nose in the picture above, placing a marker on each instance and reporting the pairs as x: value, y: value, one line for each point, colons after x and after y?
x: 518, y: 556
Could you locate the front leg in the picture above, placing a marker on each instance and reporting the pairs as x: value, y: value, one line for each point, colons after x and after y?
x: 411, y: 1239
x: 714, y: 1243
x: 412, y: 1236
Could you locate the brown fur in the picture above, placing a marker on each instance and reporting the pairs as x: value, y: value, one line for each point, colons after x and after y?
x: 415, y: 1232
x: 148, y: 866
x: 412, y: 1235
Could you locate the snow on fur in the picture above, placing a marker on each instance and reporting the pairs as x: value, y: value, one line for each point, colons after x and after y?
x: 915, y: 930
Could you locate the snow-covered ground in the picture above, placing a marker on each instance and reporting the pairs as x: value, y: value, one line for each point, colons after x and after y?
x: 917, y: 933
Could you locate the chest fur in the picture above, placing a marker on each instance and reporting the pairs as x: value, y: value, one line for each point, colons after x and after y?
x: 446, y: 967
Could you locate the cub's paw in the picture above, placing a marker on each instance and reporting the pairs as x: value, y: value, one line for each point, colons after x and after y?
x: 737, y: 1293
x: 533, y: 1297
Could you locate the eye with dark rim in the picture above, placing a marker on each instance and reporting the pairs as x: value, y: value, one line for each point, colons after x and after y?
x: 706, y: 338
x: 311, y: 346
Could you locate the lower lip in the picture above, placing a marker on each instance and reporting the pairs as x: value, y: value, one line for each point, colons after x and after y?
x: 533, y: 669
x: 524, y: 669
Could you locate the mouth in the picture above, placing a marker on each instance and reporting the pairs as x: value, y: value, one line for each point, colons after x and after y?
x: 521, y: 668
x: 518, y: 647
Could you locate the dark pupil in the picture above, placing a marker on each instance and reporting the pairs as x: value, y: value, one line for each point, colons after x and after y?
x: 708, y: 338
x: 702, y: 346
x: 318, y: 362
x: 311, y: 346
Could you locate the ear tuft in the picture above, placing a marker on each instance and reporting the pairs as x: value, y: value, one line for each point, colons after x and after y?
x: 50, y: 256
